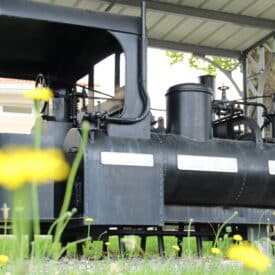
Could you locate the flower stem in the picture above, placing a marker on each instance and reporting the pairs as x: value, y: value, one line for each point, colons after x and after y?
x: 36, y: 224
x: 19, y: 227
x: 70, y: 181
x: 222, y: 226
x: 64, y: 224
x: 66, y: 218
x: 89, y: 230
x: 37, y: 145
x: 53, y: 225
x: 63, y: 250
x: 260, y: 221
x: 15, y: 227
x: 38, y: 125
x: 188, y: 236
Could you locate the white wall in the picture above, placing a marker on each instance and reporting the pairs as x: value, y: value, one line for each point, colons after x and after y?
x: 15, y: 122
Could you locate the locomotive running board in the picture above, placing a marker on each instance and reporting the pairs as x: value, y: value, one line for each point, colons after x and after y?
x: 218, y: 214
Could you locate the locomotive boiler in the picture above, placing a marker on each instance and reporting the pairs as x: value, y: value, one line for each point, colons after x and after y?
x: 136, y: 175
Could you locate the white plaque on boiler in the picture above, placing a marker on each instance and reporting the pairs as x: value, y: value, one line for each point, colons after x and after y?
x: 127, y: 159
x: 207, y: 163
x: 271, y: 167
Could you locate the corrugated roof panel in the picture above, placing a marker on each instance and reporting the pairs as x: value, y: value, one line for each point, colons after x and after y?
x: 131, y: 12
x: 258, y: 7
x: 185, y: 28
x: 43, y: 1
x: 237, y: 6
x: 67, y: 3
x: 102, y: 7
x: 205, y: 30
x: 270, y: 13
x: 89, y: 5
x: 215, y: 5
x: 171, y: 1
x: 174, y: 32
x: 117, y: 9
x: 167, y: 23
x: 252, y: 40
x: 242, y: 35
x: 193, y: 3
x: 220, y: 35
x: 153, y: 18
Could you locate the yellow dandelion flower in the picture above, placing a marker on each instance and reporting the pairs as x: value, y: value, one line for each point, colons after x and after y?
x: 107, y: 243
x: 89, y: 220
x: 3, y: 260
x: 250, y: 256
x: 237, y: 237
x: 215, y: 250
x: 20, y: 165
x: 114, y: 269
x: 39, y: 94
x: 176, y: 247
x: 273, y: 213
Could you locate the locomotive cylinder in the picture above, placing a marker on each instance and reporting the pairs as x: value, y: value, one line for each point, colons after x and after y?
x: 189, y: 111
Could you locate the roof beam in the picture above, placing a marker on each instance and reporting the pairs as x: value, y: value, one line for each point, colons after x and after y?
x: 195, y: 49
x: 242, y: 20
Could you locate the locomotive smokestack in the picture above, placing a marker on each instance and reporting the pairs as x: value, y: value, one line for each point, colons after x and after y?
x: 189, y: 111
x: 208, y: 80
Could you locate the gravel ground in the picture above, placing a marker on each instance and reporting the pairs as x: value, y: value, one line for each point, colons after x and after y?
x: 130, y: 266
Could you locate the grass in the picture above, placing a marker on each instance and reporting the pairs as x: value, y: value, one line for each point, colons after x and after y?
x: 137, y: 266
x: 94, y: 249
x: 113, y: 264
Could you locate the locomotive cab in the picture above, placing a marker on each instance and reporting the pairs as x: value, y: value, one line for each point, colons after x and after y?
x: 67, y: 54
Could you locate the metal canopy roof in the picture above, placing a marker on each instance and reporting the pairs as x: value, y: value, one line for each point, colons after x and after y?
x: 205, y: 27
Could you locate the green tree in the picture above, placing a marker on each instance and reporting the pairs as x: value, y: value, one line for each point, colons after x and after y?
x: 227, y: 64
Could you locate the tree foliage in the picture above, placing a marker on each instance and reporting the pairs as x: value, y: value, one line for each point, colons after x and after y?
x: 226, y: 64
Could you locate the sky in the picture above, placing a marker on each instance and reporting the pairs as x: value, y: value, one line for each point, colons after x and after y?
x: 162, y: 75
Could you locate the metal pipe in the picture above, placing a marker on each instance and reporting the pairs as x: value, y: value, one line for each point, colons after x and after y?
x: 244, y: 82
x: 117, y: 70
x: 141, y: 77
x: 225, y: 72
x: 143, y: 43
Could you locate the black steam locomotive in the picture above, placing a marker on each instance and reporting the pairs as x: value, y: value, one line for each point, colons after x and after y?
x: 136, y: 176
